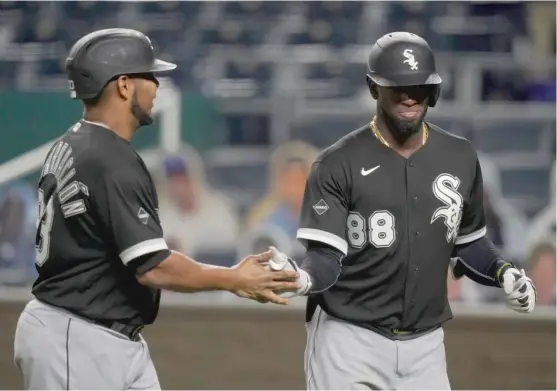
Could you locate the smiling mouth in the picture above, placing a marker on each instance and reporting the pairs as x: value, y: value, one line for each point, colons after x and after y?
x: 410, y: 114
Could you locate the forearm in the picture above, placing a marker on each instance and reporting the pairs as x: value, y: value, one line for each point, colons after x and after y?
x: 481, y: 262
x: 323, y: 265
x: 180, y: 273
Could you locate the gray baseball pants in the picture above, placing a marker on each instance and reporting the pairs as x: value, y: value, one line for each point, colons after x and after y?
x: 343, y: 356
x: 56, y: 350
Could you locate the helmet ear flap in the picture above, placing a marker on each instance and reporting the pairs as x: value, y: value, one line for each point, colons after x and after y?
x: 372, y: 87
x: 434, y: 97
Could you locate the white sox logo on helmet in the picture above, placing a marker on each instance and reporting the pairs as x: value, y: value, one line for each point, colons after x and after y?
x: 445, y: 189
x: 410, y: 59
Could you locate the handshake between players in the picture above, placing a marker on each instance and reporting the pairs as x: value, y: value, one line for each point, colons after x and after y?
x: 280, y: 263
x: 257, y: 283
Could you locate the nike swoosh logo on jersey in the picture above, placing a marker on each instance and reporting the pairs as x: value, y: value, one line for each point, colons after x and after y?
x: 367, y: 172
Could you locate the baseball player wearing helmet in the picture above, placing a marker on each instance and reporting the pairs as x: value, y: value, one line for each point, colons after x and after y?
x: 387, y: 210
x: 100, y: 253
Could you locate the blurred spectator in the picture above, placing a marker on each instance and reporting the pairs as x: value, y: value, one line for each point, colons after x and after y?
x: 506, y: 225
x: 453, y: 288
x: 467, y: 291
x: 274, y: 219
x: 17, y: 234
x: 194, y: 217
x: 543, y: 224
x: 542, y: 90
x: 494, y: 224
x: 541, y: 265
x: 541, y: 25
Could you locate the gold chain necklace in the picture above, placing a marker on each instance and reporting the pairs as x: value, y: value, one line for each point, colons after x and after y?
x: 380, y: 137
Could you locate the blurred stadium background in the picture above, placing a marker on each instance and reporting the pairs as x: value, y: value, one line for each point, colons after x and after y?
x: 260, y: 89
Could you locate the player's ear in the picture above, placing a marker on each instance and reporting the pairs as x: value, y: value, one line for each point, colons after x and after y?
x: 125, y: 87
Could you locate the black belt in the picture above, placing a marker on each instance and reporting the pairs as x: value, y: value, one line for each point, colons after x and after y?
x: 401, y: 335
x: 128, y: 330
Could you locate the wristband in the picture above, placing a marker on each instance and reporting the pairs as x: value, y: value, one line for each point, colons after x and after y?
x: 501, y: 270
x: 305, y: 279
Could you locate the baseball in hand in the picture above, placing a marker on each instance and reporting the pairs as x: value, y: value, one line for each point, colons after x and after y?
x: 278, y: 261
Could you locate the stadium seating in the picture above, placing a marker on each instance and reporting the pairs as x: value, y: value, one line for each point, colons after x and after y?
x: 293, y: 70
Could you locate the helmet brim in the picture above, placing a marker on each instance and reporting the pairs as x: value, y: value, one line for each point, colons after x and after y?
x: 160, y: 66
x: 411, y: 79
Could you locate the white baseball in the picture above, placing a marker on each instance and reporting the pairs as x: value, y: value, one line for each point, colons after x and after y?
x: 277, y: 265
x: 278, y: 261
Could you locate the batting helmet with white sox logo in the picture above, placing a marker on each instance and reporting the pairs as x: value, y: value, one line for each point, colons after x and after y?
x: 103, y: 55
x: 403, y: 59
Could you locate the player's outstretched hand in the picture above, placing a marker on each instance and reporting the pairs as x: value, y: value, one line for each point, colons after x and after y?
x: 255, y: 282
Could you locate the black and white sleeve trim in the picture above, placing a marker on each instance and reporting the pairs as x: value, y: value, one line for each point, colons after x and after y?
x: 323, y: 237
x: 471, y: 237
x: 142, y: 248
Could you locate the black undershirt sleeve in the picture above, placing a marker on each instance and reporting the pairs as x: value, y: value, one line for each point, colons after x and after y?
x: 480, y: 261
x: 323, y: 264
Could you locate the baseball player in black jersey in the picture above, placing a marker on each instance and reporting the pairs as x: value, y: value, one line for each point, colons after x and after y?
x: 101, y: 257
x: 387, y: 210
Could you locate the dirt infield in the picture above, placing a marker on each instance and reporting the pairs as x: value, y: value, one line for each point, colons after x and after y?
x: 245, y: 349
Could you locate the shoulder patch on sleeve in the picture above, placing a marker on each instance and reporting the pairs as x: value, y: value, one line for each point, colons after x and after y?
x: 321, y: 207
x: 143, y: 216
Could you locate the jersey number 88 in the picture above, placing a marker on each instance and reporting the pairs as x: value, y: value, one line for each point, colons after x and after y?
x: 380, y: 230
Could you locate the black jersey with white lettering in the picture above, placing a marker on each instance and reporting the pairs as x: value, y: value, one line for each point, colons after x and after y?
x: 397, y: 221
x: 98, y: 226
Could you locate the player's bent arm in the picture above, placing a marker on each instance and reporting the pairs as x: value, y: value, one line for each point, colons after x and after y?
x: 180, y: 273
x: 128, y: 211
x: 323, y: 220
x: 474, y: 254
x: 480, y: 261
x: 174, y: 271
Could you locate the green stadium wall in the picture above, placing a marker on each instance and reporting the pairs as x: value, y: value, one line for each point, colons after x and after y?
x: 30, y: 119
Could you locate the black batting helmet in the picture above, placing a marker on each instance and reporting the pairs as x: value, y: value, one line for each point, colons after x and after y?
x: 403, y: 59
x: 103, y: 55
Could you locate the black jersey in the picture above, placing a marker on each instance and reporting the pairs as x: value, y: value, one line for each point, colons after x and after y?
x: 97, y: 228
x: 397, y: 221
